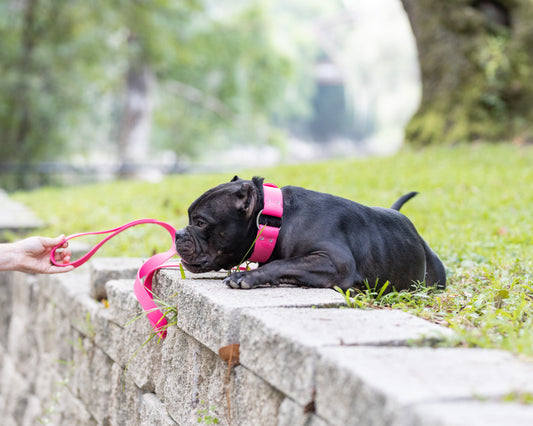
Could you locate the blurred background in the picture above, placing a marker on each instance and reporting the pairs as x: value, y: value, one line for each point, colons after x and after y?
x: 92, y: 90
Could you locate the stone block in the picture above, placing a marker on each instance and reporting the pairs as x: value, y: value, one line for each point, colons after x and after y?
x: 16, y: 217
x: 191, y: 379
x: 84, y: 310
x: 3, y: 353
x: 123, y: 305
x: 368, y: 385
x: 280, y: 344
x: 284, y: 363
x: 194, y: 383
x: 16, y: 389
x: 125, y: 399
x: 32, y: 412
x: 49, y: 384
x: 23, y: 291
x: 209, y: 301
x: 76, y: 361
x: 6, y: 304
x: 108, y: 336
x: 166, y: 283
x: 51, y: 390
x: 253, y: 400
x: 52, y: 335
x: 132, y: 347
x: 143, y: 361
x: 472, y: 413
x: 293, y: 414
x: 73, y: 411
x: 153, y: 412
x: 9, y: 421
x: 22, y: 345
x: 93, y: 380
x: 62, y: 289
x: 104, y: 269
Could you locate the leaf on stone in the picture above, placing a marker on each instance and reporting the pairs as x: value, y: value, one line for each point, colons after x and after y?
x: 230, y: 354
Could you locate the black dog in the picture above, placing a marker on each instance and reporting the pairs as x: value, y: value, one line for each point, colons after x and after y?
x: 324, y: 240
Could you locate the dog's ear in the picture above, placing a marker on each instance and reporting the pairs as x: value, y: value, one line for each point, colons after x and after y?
x: 258, y: 181
x: 235, y: 178
x: 246, y: 197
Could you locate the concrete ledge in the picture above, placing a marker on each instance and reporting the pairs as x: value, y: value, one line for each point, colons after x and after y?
x: 304, y: 358
x: 206, y: 300
x: 398, y: 385
x: 283, y: 344
x: 106, y: 269
x: 16, y: 217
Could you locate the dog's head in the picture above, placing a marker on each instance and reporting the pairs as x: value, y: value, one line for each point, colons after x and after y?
x: 221, y: 226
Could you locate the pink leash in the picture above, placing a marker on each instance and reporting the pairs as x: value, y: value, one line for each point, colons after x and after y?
x: 146, y: 271
x: 265, y: 243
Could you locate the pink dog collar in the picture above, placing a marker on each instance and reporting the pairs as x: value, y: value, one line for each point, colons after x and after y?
x: 267, y: 235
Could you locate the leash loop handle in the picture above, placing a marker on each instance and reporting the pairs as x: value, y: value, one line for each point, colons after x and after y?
x: 112, y: 233
x: 143, y: 291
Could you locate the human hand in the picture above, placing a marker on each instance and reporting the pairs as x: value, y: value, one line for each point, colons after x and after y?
x: 32, y: 255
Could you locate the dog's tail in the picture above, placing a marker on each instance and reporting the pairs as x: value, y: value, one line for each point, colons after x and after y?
x: 402, y: 200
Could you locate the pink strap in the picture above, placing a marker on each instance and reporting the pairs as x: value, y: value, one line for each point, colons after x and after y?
x: 142, y: 291
x: 273, y: 200
x: 267, y: 235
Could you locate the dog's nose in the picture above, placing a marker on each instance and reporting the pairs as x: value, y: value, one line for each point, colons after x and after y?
x: 180, y: 234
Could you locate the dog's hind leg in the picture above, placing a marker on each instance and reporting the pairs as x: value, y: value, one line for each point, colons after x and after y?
x: 435, y: 271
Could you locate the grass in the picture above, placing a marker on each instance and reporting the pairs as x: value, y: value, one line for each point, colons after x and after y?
x: 474, y: 209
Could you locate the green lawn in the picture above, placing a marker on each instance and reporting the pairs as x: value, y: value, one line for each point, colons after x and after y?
x: 474, y: 209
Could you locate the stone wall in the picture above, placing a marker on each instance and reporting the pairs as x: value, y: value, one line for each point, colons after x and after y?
x: 68, y: 358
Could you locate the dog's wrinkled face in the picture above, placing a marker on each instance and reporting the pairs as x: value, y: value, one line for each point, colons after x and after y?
x: 221, y: 227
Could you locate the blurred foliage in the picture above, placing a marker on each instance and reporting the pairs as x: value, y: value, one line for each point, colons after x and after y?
x: 64, y: 65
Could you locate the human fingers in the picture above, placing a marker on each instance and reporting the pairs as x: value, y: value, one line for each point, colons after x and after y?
x: 59, y: 269
x: 62, y: 255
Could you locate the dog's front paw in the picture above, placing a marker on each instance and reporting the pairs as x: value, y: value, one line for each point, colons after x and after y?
x: 238, y: 280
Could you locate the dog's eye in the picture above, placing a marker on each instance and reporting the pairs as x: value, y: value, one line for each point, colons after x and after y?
x: 200, y: 223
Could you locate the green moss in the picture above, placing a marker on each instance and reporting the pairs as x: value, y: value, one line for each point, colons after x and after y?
x: 426, y: 127
x: 476, y: 73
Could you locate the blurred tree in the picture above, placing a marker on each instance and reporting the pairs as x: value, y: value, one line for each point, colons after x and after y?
x: 476, y: 68
x: 38, y: 83
x: 80, y: 74
x: 226, y: 82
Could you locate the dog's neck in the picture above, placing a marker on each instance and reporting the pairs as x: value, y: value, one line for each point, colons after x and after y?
x: 268, y: 223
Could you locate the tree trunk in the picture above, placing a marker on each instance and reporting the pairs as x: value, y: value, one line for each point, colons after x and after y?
x: 135, y: 125
x: 476, y: 69
x: 16, y: 138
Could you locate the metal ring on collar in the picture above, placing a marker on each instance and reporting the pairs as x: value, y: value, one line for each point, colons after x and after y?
x: 258, y: 216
